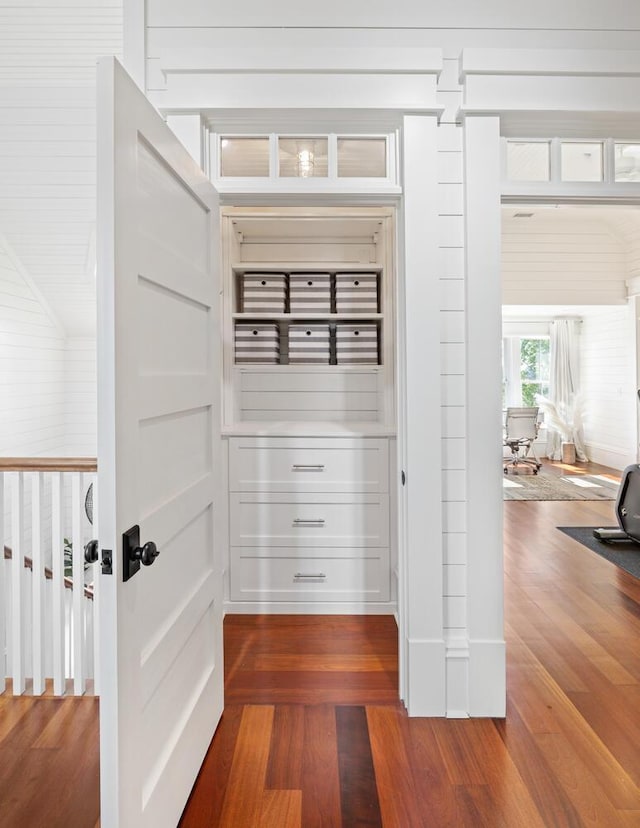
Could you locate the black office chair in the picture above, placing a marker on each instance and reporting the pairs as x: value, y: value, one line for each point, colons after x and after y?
x: 520, y: 431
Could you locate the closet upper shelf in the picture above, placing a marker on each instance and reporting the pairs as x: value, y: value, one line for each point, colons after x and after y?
x: 309, y: 317
x: 306, y: 267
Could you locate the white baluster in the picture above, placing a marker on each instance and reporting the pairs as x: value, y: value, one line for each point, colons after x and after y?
x: 37, y: 584
x: 3, y: 594
x: 57, y: 585
x: 77, y: 504
x: 17, y: 578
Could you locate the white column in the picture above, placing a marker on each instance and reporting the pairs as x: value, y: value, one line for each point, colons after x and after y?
x: 483, y: 427
x: 420, y: 507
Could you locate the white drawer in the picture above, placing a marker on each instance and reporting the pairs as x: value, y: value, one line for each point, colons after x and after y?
x: 308, y: 465
x: 304, y: 520
x: 296, y: 578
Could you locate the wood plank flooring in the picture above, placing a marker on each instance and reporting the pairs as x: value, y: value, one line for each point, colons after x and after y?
x: 313, y: 734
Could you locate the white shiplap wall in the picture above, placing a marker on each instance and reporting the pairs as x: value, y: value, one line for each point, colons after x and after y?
x: 80, y: 403
x: 48, y: 52
x: 608, y: 384
x: 32, y: 352
x: 550, y: 259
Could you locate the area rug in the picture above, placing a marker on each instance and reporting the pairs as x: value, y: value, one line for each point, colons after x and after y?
x: 542, y: 486
x: 625, y: 554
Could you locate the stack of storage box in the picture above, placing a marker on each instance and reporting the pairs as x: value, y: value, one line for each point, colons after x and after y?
x: 310, y: 293
x: 257, y: 343
x: 263, y: 292
x: 309, y: 344
x: 357, y: 344
x: 356, y: 293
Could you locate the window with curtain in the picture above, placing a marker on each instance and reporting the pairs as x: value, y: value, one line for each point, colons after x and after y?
x: 525, y: 369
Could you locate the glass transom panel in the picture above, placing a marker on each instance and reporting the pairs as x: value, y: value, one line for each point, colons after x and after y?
x: 581, y: 161
x: 303, y: 157
x: 362, y: 157
x: 528, y: 160
x: 244, y: 157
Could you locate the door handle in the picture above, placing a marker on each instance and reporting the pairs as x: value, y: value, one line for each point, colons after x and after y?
x: 146, y: 554
x: 133, y: 554
x: 91, y: 552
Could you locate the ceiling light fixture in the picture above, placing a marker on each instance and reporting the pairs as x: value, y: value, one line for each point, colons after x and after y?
x: 306, y: 163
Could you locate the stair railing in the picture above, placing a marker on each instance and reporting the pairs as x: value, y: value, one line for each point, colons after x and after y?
x: 48, y: 596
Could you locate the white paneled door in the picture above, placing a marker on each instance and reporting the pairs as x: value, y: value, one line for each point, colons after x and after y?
x: 158, y: 460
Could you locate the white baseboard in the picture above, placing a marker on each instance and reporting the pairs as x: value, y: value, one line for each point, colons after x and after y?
x: 315, y: 608
x: 426, y: 678
x: 487, y: 678
x: 606, y: 456
x: 458, y: 678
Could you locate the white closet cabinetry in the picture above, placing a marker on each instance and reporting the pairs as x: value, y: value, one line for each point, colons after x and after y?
x: 310, y: 515
x: 309, y: 519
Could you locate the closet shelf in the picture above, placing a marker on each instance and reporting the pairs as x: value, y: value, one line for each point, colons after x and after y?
x: 308, y: 317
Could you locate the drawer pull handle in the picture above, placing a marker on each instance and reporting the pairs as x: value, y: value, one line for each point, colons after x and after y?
x: 307, y: 521
x: 307, y: 467
x: 316, y: 576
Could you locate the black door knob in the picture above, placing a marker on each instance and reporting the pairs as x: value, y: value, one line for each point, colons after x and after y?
x: 148, y: 553
x: 91, y: 552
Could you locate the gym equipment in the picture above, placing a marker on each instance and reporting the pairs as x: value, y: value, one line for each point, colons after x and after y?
x: 627, y: 508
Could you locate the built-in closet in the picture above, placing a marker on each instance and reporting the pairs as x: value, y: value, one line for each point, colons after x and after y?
x: 309, y: 408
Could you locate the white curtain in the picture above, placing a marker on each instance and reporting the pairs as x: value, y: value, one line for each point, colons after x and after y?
x: 564, y: 384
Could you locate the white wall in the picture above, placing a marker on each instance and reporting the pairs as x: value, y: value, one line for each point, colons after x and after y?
x: 607, y: 374
x: 80, y: 412
x: 47, y: 152
x: 32, y: 352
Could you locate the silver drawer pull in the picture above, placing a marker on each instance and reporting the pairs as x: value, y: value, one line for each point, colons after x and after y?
x: 307, y: 467
x: 308, y: 521
x: 315, y: 576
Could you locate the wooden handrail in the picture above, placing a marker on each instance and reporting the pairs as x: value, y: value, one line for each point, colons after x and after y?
x: 65, y: 464
x: 48, y: 574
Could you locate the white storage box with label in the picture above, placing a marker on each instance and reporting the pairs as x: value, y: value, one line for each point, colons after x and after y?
x: 310, y: 293
x: 309, y: 344
x: 356, y: 293
x: 263, y: 292
x: 257, y: 343
x: 357, y: 344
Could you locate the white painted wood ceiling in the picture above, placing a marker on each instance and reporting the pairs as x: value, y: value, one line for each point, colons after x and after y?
x: 48, y: 53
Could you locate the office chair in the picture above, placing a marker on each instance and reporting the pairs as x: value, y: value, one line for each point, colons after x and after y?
x: 521, y: 429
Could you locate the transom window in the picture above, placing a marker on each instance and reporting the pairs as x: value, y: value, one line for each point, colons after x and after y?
x: 558, y: 160
x: 330, y: 157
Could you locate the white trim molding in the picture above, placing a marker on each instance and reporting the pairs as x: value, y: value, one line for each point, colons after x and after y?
x: 562, y: 92
x: 421, y: 605
x: 483, y: 439
x: 293, y: 76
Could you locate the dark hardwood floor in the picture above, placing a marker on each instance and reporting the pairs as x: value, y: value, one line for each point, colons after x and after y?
x: 313, y: 734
